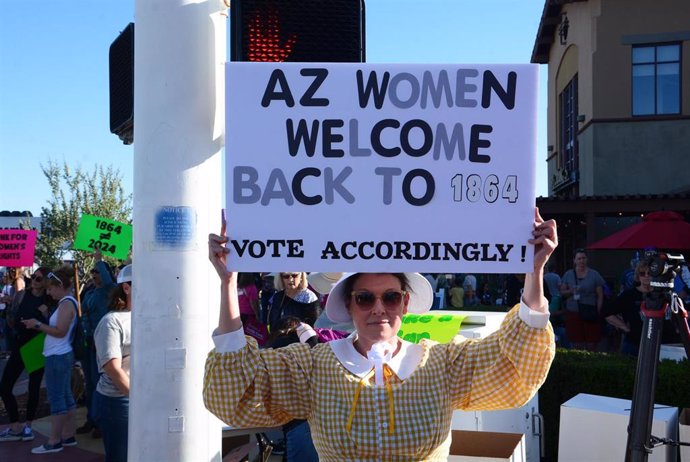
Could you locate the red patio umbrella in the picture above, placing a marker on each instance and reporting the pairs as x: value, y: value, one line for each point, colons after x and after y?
x: 662, y: 230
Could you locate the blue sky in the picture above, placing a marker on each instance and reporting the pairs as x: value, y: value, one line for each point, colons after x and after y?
x: 54, y: 74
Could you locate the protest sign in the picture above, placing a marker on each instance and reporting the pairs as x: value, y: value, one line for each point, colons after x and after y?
x: 380, y: 167
x: 435, y: 326
x: 111, y: 237
x: 17, y: 247
x: 32, y: 353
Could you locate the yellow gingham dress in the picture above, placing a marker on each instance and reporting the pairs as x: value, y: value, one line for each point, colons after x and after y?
x: 257, y: 388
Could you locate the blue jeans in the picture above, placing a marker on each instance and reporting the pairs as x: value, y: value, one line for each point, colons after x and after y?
x: 58, y: 375
x: 91, y: 376
x: 299, y: 445
x: 112, y: 415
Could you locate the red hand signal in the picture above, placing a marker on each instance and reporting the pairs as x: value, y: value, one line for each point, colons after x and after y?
x: 264, y: 39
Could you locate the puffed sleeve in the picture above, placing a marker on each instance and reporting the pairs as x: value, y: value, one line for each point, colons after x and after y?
x: 503, y: 370
x: 259, y: 388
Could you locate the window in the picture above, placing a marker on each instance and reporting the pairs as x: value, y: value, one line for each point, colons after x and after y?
x: 656, y: 79
x: 568, y: 127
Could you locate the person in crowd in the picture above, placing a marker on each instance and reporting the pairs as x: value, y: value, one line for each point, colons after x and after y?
x: 94, y: 307
x: 552, y: 282
x: 33, y: 303
x: 6, y: 292
x: 113, y: 338
x: 485, y: 297
x: 624, y: 313
x: 374, y: 395
x: 627, y: 279
x: 293, y: 299
x: 513, y: 292
x: 59, y: 360
x: 248, y: 296
x: 456, y: 295
x: 266, y: 295
x: 471, y: 298
x: 14, y: 283
x: 582, y: 285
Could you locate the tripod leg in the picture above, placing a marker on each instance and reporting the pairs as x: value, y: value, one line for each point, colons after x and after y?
x: 642, y: 409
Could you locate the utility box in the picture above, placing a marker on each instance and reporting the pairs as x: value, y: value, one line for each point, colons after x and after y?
x: 595, y: 428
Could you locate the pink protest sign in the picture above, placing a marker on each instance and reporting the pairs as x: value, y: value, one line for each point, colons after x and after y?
x: 17, y: 247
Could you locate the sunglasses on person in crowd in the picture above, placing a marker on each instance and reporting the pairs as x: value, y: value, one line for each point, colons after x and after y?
x: 390, y: 298
x: 290, y: 275
x: 52, y: 275
x: 37, y: 278
x: 644, y: 273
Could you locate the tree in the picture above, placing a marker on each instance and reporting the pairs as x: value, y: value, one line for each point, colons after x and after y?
x: 75, y: 192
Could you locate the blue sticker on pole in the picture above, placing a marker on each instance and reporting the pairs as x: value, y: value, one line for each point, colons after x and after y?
x: 175, y: 227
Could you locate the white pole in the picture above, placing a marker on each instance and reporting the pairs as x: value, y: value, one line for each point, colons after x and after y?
x: 180, y: 50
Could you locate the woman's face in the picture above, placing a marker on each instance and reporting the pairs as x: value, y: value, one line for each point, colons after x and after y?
x: 580, y: 260
x: 291, y: 281
x: 381, y: 320
x: 56, y: 291
x: 644, y: 276
x: 38, y: 281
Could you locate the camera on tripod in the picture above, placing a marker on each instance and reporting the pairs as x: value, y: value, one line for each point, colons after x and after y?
x: 663, y: 268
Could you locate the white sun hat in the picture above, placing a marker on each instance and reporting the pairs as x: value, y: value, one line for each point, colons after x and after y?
x: 323, y: 282
x: 125, y: 275
x: 421, y: 297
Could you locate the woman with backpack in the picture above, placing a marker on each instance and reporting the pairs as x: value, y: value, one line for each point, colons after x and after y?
x: 59, y: 358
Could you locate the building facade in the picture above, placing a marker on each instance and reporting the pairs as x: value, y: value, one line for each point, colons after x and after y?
x: 618, y: 114
x: 618, y: 96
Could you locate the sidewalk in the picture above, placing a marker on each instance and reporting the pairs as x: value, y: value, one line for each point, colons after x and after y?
x: 87, y: 450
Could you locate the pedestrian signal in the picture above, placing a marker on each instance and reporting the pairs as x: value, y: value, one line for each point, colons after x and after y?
x: 297, y: 30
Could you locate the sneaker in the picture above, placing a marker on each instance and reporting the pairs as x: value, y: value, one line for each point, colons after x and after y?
x: 47, y: 448
x: 27, y: 434
x: 8, y: 435
x: 71, y: 441
x: 86, y: 428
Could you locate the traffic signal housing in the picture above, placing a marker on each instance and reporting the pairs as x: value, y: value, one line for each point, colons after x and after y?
x: 121, y: 67
x: 297, y: 31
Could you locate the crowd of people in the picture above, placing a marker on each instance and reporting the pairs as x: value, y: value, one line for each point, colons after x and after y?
x: 587, y: 312
x: 289, y: 315
x: 48, y: 333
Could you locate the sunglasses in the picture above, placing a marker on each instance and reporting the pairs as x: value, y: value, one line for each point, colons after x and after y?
x: 37, y: 278
x: 645, y: 273
x: 53, y: 276
x: 390, y: 299
x: 290, y: 275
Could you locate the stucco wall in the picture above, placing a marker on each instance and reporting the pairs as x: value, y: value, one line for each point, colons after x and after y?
x: 626, y: 22
x: 650, y: 157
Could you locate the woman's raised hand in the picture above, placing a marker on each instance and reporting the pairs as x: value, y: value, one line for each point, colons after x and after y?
x: 545, y: 240
x: 217, y: 253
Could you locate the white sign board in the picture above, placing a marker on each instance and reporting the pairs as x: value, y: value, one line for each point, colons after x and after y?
x: 380, y: 167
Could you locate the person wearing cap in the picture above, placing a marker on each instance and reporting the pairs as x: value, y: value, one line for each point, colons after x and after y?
x: 374, y: 396
x: 113, y: 338
x: 94, y: 307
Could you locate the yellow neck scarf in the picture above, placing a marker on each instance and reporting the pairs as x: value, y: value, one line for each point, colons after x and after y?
x: 387, y: 374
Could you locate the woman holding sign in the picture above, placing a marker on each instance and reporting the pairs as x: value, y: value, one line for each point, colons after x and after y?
x: 373, y: 395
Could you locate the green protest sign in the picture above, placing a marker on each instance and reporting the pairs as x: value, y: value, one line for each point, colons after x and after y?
x: 111, y: 237
x: 32, y: 353
x: 435, y: 326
